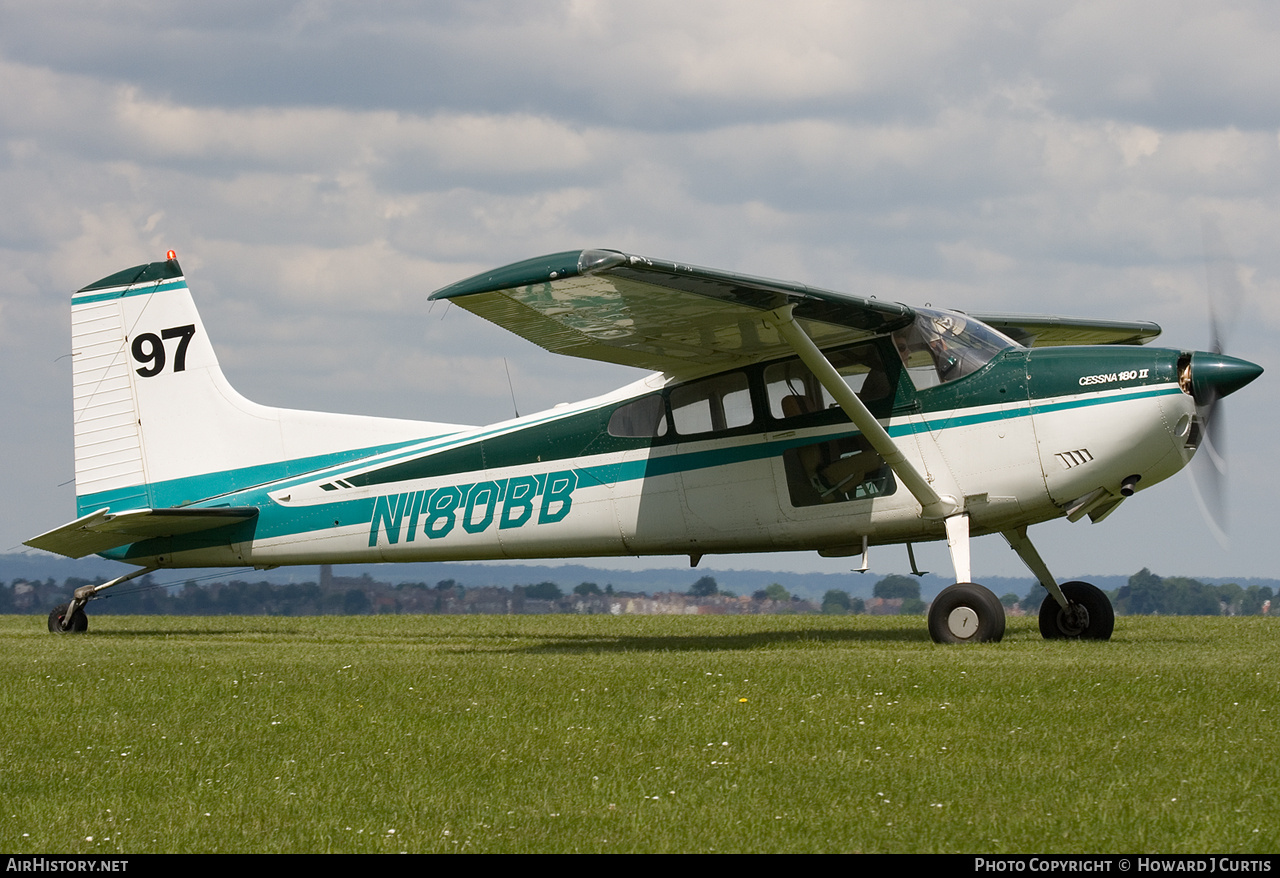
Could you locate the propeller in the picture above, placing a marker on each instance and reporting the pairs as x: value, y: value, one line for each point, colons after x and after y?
x: 1213, y: 377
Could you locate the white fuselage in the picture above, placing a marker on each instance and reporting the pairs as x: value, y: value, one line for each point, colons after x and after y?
x: 1014, y: 464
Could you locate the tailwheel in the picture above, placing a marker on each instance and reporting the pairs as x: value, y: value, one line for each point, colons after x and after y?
x: 59, y: 623
x: 78, y: 624
x: 966, y: 613
x: 1087, y: 616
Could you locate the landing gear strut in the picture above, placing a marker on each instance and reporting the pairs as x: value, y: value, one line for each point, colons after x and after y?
x: 964, y: 612
x: 1074, y: 610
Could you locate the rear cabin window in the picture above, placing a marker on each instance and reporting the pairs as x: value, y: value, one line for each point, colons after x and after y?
x: 644, y: 418
x: 713, y: 404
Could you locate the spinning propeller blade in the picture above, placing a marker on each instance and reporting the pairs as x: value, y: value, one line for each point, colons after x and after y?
x: 1213, y: 377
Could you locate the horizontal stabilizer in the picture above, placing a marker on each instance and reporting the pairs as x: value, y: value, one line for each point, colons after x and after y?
x: 102, y: 530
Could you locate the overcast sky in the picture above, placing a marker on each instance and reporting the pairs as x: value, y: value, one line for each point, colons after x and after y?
x: 321, y: 167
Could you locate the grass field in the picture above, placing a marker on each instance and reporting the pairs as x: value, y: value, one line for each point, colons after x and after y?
x: 572, y: 733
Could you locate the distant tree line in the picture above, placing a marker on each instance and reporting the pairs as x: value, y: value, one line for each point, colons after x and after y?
x: 332, y: 596
x: 1148, y: 594
x: 1145, y: 594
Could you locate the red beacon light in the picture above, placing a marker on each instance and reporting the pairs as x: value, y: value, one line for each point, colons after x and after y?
x: 171, y: 255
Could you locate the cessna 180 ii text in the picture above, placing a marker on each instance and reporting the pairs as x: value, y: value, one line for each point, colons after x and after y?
x: 774, y: 417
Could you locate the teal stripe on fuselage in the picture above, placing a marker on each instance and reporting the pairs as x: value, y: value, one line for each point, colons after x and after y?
x: 278, y: 521
x: 694, y: 460
x: 207, y: 488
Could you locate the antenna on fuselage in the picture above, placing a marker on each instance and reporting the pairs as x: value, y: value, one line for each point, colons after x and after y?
x: 511, y: 387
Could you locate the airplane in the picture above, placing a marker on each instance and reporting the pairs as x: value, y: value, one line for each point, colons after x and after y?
x: 773, y: 416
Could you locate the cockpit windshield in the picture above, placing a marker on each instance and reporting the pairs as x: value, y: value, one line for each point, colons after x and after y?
x: 941, y: 346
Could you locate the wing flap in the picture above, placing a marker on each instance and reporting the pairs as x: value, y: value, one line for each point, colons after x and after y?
x: 102, y: 530
x: 674, y: 318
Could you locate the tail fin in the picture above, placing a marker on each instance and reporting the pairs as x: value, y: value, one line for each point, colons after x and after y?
x: 138, y: 343
x: 152, y: 408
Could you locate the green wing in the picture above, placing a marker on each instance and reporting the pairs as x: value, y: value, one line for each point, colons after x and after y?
x: 666, y: 316
x: 682, y: 319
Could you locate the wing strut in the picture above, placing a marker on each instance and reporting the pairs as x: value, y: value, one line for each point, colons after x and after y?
x: 932, y: 504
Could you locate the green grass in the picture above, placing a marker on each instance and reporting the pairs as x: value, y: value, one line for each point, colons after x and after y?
x: 569, y: 733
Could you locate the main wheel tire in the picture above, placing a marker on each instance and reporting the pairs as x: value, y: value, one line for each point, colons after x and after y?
x: 1089, y: 615
x: 966, y: 613
x: 79, y: 621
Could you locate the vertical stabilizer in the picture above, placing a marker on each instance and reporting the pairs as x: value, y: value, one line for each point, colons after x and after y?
x: 153, y: 410
x: 114, y: 359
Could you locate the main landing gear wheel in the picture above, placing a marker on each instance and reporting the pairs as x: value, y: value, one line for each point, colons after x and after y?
x: 79, y: 621
x: 1088, y: 616
x: 966, y: 613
